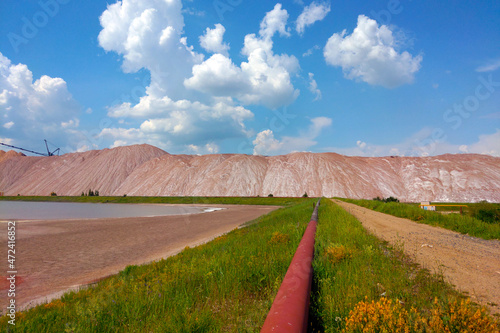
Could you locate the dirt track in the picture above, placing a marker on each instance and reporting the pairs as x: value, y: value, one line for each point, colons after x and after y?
x: 469, y: 263
x: 55, y: 256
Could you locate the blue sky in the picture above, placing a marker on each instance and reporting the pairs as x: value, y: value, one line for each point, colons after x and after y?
x: 368, y: 78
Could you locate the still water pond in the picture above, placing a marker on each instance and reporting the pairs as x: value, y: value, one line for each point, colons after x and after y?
x: 21, y: 210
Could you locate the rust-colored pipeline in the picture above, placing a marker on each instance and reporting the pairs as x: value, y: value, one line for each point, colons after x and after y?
x: 290, y: 309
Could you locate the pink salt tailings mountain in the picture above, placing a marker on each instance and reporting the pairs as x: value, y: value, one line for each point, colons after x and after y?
x: 145, y: 170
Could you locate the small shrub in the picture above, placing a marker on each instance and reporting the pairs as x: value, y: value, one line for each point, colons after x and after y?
x: 461, y: 317
x: 391, y: 199
x: 127, y: 271
x: 388, y: 316
x: 54, y: 304
x: 305, y: 195
x: 270, y: 195
x: 53, y: 194
x: 336, y: 253
x: 279, y: 238
x: 485, y: 211
x: 221, y: 238
x: 381, y: 316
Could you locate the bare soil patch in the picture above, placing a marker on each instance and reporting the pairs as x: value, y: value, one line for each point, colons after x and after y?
x: 471, y: 264
x: 56, y: 256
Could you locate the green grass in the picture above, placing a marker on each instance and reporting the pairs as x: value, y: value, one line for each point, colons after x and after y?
x: 351, y: 265
x: 484, y: 211
x: 225, y: 285
x: 274, y: 201
x: 459, y: 223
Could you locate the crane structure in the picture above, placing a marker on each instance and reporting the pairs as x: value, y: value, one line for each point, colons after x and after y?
x: 49, y: 153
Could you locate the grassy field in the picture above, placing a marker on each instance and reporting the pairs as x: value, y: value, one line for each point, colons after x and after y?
x: 274, y: 201
x: 361, y: 283
x: 484, y: 211
x: 460, y: 223
x: 228, y: 285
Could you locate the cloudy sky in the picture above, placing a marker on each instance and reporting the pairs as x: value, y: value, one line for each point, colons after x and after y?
x: 368, y: 78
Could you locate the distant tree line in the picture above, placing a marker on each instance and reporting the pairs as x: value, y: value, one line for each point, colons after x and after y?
x: 90, y: 193
x: 389, y: 199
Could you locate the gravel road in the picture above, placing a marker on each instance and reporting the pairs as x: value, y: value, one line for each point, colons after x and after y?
x: 471, y: 264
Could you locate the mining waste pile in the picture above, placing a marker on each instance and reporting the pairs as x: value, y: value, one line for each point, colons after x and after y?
x: 144, y: 170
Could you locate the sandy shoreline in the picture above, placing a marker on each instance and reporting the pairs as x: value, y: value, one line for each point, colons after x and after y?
x: 59, y: 255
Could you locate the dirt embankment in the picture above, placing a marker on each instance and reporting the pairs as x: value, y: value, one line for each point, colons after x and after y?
x: 56, y: 256
x: 469, y: 263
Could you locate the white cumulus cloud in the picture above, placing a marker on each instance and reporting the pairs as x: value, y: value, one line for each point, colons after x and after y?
x: 370, y: 54
x: 7, y: 141
x: 149, y: 34
x: 275, y: 21
x: 123, y: 136
x: 219, y: 76
x: 361, y: 144
x: 488, y: 144
x: 212, y: 40
x: 171, y: 124
x: 33, y: 110
x: 266, y: 144
x: 8, y: 125
x: 209, y: 148
x: 312, y: 13
x: 264, y: 79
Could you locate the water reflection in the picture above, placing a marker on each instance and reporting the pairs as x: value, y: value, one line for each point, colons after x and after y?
x: 22, y: 210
